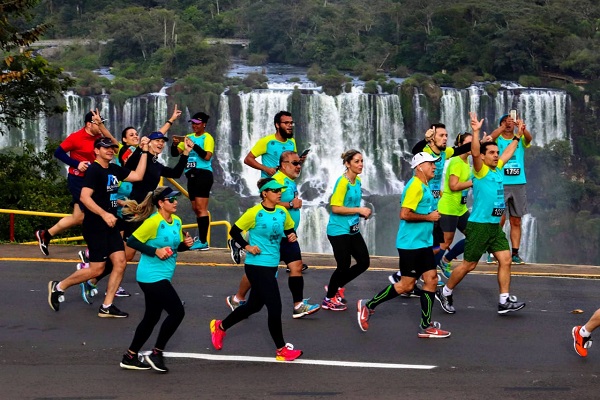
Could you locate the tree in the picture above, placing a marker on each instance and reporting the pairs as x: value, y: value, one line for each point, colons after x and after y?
x: 29, y: 85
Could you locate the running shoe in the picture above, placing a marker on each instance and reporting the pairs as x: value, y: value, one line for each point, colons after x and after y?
x: 445, y: 268
x: 305, y: 309
x: 445, y: 301
x: 333, y: 304
x: 217, y: 334
x: 156, y: 361
x: 232, y: 303
x: 287, y: 353
x: 198, y: 245
x: 43, y: 238
x: 88, y: 291
x: 440, y: 282
x: 304, y: 268
x: 131, y: 361
x: 394, y: 278
x: 235, y: 251
x: 580, y: 344
x: 122, y: 292
x: 84, y: 256
x: 340, y: 295
x: 82, y: 266
x: 55, y: 297
x: 491, y: 259
x: 511, y: 305
x: 363, y: 314
x: 433, y: 331
x: 411, y: 294
x: 517, y: 260
x: 111, y: 312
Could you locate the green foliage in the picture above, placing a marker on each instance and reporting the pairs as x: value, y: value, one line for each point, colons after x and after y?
x: 31, y: 181
x: 463, y: 78
x: 257, y: 59
x: 401, y: 71
x: 441, y: 78
x: 255, y: 80
x: 492, y: 89
x: 530, y: 81
x: 370, y: 87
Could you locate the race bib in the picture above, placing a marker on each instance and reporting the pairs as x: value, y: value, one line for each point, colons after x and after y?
x: 512, y: 171
x: 191, y: 164
x: 498, y: 209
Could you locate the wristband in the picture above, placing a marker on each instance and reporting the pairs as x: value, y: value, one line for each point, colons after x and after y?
x: 516, y: 138
x: 144, y: 151
x: 292, y: 204
x: 168, y: 122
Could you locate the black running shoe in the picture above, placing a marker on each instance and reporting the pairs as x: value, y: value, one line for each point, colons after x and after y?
x: 111, y: 312
x: 235, y: 250
x: 55, y: 297
x: 43, y: 238
x: 511, y: 305
x: 156, y: 361
x: 131, y: 361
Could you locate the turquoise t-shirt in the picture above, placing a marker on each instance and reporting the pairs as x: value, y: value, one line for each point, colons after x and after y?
x: 158, y: 233
x: 207, y: 143
x: 416, y: 234
x: 348, y: 195
x: 265, y: 230
x: 270, y: 149
x: 488, y: 195
x: 435, y: 184
x: 514, y: 169
x: 288, y: 195
x: 455, y: 203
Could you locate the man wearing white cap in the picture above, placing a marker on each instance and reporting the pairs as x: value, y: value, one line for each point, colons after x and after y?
x: 414, y: 242
x: 484, y: 232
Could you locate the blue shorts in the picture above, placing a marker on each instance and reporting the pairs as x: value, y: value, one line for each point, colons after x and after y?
x: 289, y: 251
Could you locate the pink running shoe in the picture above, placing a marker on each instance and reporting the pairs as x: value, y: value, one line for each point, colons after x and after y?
x: 287, y: 353
x: 217, y: 334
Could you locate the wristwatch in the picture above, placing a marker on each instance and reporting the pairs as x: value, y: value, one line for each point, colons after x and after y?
x: 292, y: 204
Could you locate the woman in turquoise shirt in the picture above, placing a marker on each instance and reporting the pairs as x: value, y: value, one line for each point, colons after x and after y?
x: 343, y: 231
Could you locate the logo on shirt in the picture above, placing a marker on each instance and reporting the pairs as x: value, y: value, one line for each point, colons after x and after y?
x: 112, y: 184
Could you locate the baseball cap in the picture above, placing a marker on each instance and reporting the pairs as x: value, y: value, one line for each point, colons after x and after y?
x: 199, y: 118
x: 502, y: 119
x: 272, y: 184
x: 158, y: 135
x: 104, y: 142
x: 164, y: 193
x: 88, y: 118
x: 422, y: 157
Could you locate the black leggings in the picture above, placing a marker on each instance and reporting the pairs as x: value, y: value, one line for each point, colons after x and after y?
x: 265, y: 292
x: 159, y: 296
x: 345, y: 247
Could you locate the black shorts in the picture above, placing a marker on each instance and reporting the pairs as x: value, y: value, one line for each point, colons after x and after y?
x: 200, y: 182
x: 289, y: 251
x: 102, y: 242
x: 438, y: 233
x: 414, y: 263
x: 75, y: 184
x: 450, y: 223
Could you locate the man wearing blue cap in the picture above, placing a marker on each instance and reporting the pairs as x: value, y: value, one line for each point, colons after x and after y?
x: 515, y: 195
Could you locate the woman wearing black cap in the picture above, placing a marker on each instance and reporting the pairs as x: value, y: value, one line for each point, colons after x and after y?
x: 200, y: 174
x: 266, y: 224
x: 159, y: 239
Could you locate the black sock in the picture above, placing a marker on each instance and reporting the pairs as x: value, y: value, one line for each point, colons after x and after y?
x: 296, y: 285
x: 386, y: 294
x: 203, y: 223
x: 427, y: 299
x: 515, y: 251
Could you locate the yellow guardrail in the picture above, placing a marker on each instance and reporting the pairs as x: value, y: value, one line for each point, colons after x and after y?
x: 80, y: 238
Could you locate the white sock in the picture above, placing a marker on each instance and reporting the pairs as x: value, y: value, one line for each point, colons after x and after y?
x: 584, y: 333
x: 446, y: 291
x: 57, y: 287
x: 235, y: 298
x: 298, y: 306
x: 503, y: 297
x: 399, y: 274
x: 106, y: 305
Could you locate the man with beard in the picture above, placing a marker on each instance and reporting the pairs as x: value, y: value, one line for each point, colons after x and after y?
x: 270, y: 147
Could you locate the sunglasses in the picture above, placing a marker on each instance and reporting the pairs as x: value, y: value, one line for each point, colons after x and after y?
x: 294, y: 163
x: 278, y: 190
x: 172, y: 199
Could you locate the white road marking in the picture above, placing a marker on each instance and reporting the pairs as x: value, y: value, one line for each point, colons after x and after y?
x: 352, y: 364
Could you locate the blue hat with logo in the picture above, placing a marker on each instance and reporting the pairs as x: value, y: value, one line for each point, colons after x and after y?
x: 158, y: 135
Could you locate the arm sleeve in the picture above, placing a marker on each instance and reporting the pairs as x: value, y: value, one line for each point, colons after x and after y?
x: 462, y: 149
x: 62, y: 155
x: 419, y: 146
x: 176, y: 171
x: 134, y: 243
x: 174, y: 150
x: 200, y: 151
x: 134, y: 159
x: 236, y: 235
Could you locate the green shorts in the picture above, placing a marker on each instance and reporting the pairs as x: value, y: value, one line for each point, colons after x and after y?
x: 483, y: 237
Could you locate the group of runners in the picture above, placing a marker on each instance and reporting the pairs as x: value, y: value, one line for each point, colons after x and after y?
x: 119, y: 219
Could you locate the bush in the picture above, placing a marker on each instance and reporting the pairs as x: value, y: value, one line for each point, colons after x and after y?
x: 463, y: 78
x: 257, y: 59
x: 529, y: 81
x: 401, y: 72
x: 441, y: 78
x: 370, y: 87
x: 492, y: 89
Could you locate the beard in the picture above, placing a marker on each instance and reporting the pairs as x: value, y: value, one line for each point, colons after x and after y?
x: 441, y: 147
x: 286, y: 135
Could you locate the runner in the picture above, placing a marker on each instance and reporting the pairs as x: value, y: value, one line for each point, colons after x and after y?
x: 484, y: 232
x: 200, y: 175
x: 266, y: 223
x: 453, y: 205
x: 415, y: 249
x: 159, y: 239
x: 343, y: 231
x: 582, y: 335
x: 288, y: 171
x: 100, y: 229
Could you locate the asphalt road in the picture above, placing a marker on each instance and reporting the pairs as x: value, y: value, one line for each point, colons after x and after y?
x: 73, y: 354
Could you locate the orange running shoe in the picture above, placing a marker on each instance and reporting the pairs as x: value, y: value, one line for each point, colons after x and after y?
x: 580, y: 343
